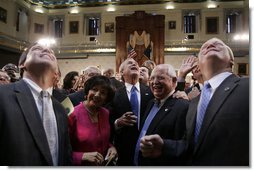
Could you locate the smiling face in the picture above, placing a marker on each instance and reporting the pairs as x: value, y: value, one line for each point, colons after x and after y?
x: 214, y: 58
x: 130, y: 71
x: 40, y: 58
x: 161, y: 83
x: 97, y: 96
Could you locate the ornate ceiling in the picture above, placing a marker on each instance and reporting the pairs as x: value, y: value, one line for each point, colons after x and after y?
x: 92, y: 3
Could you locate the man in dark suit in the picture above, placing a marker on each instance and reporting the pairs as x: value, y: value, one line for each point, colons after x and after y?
x: 110, y: 74
x: 123, y: 118
x: 79, y: 96
x: 24, y: 138
x: 223, y: 138
x: 168, y: 120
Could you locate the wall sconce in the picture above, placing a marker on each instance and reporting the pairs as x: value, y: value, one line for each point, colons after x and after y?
x: 241, y: 37
x: 74, y: 10
x: 170, y: 5
x: 39, y: 10
x: 211, y: 6
x: 111, y: 8
x: 47, y: 42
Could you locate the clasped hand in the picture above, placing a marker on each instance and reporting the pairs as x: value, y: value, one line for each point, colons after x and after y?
x: 112, y: 153
x: 93, y: 157
x: 151, y: 146
x: 127, y: 119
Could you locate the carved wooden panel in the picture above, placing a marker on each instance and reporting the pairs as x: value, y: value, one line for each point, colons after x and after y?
x: 142, y: 26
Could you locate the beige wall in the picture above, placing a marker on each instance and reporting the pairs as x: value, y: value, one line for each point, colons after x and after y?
x: 103, y: 62
x: 9, y: 27
x: 108, y: 39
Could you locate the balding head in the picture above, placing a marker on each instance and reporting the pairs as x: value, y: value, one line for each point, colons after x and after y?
x: 215, y: 57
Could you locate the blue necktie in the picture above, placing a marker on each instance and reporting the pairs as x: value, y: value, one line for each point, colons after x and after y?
x: 148, y: 121
x: 203, y: 103
x: 134, y: 103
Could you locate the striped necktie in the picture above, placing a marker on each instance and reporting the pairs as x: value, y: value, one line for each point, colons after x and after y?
x: 50, y: 126
x: 203, y: 103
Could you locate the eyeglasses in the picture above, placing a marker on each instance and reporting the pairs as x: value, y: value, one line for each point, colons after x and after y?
x: 3, y: 78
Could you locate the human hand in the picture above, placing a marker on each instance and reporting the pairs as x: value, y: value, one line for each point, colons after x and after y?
x: 79, y: 83
x: 193, y: 93
x: 187, y: 66
x: 93, y: 157
x: 151, y: 146
x: 112, y: 153
x: 127, y: 119
x: 180, y: 95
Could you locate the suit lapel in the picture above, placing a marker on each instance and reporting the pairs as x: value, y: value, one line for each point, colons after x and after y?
x: 60, y: 128
x: 219, y: 97
x: 124, y: 97
x: 164, y: 110
x: 32, y: 117
x: 145, y: 94
x: 191, y: 117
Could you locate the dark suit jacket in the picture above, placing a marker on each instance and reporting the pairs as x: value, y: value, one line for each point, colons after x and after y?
x: 125, y: 138
x: 169, y: 123
x: 224, y: 135
x: 23, y: 140
x: 115, y: 83
x: 77, y: 97
x: 59, y: 95
x: 180, y: 86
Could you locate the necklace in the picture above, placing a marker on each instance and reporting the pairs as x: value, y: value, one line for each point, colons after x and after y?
x: 93, y: 115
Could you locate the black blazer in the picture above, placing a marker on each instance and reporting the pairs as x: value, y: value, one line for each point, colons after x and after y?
x: 169, y: 123
x: 23, y: 140
x: 125, y: 138
x: 224, y: 135
x: 58, y: 95
x: 115, y: 83
x: 77, y: 97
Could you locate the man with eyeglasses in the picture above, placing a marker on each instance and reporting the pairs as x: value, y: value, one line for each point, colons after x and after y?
x: 4, y: 77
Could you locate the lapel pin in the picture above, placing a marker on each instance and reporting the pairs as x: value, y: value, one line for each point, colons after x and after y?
x: 227, y: 88
x: 166, y: 109
x: 146, y: 94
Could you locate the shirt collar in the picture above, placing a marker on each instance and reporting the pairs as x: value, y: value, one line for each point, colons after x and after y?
x: 162, y: 101
x: 129, y: 86
x: 218, y: 79
x: 35, y: 88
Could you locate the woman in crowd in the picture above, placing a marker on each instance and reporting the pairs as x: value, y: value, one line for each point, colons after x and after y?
x: 68, y: 82
x: 89, y: 127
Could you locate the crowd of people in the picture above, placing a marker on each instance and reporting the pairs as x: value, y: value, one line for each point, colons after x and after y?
x: 144, y: 117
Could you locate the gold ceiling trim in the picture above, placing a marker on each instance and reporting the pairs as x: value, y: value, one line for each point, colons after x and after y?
x: 119, y: 2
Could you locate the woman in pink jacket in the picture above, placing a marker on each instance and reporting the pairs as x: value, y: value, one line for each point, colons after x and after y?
x: 89, y: 126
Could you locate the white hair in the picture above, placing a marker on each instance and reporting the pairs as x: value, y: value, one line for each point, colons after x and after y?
x: 171, y: 70
x: 92, y: 68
